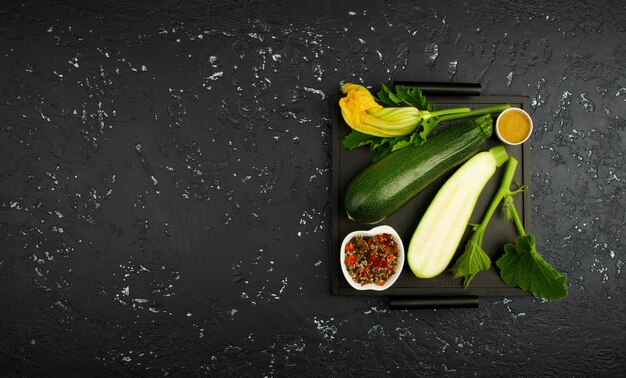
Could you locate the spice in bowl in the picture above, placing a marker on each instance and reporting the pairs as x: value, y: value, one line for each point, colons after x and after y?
x: 372, y: 260
x: 514, y: 126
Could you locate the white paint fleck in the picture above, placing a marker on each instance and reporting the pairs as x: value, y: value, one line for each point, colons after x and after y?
x: 284, y: 282
x: 431, y: 52
x: 509, y: 79
x: 216, y: 76
x: 315, y: 91
x: 565, y: 99
x: 375, y: 310
x: 255, y: 36
x: 452, y: 67
x: 380, y: 55
x: 43, y: 116
x: 325, y: 328
x: 318, y: 71
x: 586, y: 103
x: 376, y: 330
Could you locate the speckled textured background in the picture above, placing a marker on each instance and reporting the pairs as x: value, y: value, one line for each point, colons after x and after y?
x: 165, y: 175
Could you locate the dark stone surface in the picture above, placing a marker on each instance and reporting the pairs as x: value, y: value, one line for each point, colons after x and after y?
x: 164, y: 186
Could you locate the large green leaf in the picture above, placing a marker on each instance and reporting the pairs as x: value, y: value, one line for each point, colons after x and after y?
x: 521, y: 265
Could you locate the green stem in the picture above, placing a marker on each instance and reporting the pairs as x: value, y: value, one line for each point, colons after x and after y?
x: 503, y: 191
x: 490, y: 210
x: 472, y: 113
x: 444, y: 112
x: 516, y: 219
x: 507, y: 178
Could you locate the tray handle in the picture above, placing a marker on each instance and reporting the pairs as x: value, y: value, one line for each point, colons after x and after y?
x: 430, y: 302
x: 436, y: 89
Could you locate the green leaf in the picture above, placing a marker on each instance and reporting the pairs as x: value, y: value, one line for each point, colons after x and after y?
x: 472, y: 261
x: 403, y: 96
x: 427, y: 126
x: 407, y: 141
x: 385, y: 146
x: 380, y: 146
x: 521, y: 265
x: 382, y: 97
x: 357, y: 139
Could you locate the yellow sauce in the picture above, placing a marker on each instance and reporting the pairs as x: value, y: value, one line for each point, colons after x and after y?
x: 513, y: 126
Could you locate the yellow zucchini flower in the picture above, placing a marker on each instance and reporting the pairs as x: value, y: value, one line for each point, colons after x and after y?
x: 362, y: 113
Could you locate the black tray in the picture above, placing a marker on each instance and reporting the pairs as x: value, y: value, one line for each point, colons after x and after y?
x: 408, y: 288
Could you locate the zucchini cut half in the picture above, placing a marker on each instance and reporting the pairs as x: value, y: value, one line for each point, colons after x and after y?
x: 440, y: 230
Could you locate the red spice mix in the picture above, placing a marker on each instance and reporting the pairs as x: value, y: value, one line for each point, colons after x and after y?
x: 371, y: 259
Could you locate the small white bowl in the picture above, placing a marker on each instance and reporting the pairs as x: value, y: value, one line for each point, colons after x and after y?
x: 373, y: 231
x: 521, y: 111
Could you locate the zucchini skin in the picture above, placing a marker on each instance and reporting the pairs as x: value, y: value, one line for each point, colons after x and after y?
x: 385, y: 186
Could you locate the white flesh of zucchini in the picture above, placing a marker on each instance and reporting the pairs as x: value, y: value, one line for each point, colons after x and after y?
x: 440, y: 230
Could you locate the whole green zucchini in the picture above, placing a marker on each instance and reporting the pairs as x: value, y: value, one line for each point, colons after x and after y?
x: 385, y: 186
